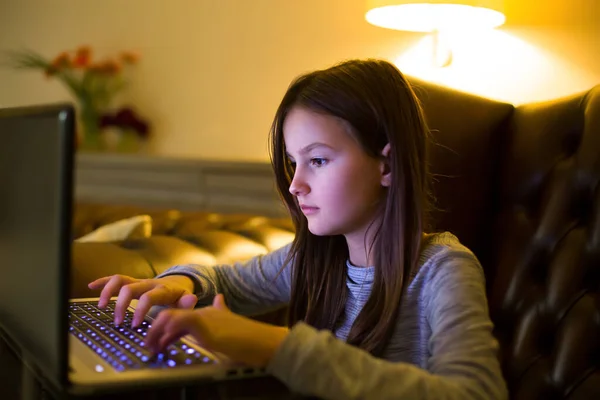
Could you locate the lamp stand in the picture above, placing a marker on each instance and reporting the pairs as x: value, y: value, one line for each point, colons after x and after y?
x: 442, y: 53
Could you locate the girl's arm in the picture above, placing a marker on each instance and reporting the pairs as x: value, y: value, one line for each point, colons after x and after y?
x: 463, y: 362
x: 253, y: 287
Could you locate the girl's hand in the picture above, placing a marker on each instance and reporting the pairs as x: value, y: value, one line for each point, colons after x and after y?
x: 218, y: 329
x: 173, y: 290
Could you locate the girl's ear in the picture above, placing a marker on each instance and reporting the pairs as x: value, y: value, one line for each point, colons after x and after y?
x: 386, y: 172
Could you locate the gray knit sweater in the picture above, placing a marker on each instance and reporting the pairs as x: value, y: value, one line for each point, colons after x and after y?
x: 442, y: 346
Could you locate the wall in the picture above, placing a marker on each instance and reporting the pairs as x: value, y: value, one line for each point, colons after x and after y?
x: 213, y: 71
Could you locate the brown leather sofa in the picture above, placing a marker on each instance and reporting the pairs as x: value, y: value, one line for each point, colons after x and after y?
x: 519, y: 186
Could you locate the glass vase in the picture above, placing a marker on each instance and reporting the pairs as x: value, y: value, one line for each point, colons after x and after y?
x: 90, y: 133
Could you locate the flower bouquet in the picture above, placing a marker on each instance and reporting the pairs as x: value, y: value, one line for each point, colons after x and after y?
x: 94, y: 84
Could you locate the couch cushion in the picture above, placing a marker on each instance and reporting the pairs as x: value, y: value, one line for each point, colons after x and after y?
x: 162, y: 252
x: 227, y: 247
x: 91, y: 261
x: 88, y: 217
x: 139, y: 226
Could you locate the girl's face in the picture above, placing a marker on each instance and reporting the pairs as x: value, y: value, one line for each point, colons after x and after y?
x: 337, y: 185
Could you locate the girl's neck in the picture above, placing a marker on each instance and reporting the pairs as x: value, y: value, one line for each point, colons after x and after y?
x: 360, y: 248
x: 357, y: 250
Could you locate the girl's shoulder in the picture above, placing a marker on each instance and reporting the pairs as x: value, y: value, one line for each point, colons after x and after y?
x: 438, y: 249
x: 441, y: 242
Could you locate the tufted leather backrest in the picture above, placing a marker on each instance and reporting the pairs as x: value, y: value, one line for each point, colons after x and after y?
x: 466, y: 132
x: 545, y: 300
x: 520, y: 188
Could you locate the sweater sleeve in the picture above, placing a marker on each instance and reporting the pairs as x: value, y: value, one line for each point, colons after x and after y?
x: 256, y: 286
x: 463, y: 361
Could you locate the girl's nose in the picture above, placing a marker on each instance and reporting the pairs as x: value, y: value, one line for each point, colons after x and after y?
x: 298, y: 186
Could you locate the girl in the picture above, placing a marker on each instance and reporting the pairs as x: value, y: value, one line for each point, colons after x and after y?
x: 377, y: 308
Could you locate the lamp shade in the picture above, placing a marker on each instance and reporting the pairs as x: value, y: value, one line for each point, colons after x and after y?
x: 435, y: 15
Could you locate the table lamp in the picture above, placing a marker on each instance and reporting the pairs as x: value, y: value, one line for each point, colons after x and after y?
x: 435, y: 16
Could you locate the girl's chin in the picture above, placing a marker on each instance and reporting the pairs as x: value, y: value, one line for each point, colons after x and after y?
x: 317, y: 230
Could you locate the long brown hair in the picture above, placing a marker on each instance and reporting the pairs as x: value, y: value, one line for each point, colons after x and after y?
x: 376, y: 100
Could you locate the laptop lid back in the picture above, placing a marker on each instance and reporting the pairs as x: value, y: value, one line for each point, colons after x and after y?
x: 36, y: 160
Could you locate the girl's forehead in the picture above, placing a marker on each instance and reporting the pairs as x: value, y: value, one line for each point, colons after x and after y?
x: 302, y: 125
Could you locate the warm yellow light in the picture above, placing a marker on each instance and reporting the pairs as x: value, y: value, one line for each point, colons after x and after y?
x: 499, y: 65
x: 434, y: 15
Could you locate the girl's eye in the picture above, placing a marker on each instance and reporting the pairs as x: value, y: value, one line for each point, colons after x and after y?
x: 292, y: 164
x: 318, y: 162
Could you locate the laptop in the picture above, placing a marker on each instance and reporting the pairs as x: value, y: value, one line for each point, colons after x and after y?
x: 72, y: 346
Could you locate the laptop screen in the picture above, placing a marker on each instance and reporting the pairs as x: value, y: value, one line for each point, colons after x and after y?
x: 36, y: 158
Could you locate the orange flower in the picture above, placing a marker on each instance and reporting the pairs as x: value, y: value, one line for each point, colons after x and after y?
x: 108, y: 67
x: 61, y: 61
x: 129, y: 57
x: 83, y: 57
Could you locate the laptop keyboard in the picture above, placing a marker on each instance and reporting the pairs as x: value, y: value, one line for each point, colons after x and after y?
x: 123, y: 346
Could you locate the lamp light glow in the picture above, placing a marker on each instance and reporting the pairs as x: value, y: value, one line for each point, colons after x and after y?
x: 431, y: 17
x: 438, y: 17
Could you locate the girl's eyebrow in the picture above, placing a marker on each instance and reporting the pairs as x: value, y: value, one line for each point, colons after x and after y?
x: 310, y: 147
